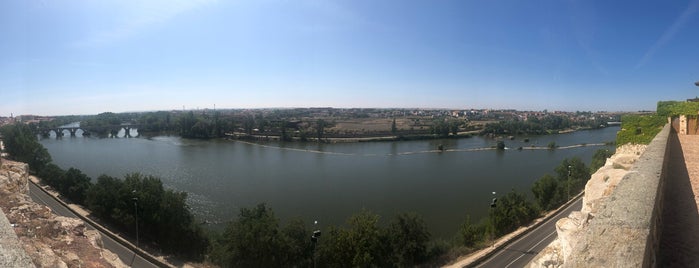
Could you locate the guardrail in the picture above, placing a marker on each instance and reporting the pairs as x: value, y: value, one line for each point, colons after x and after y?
x: 150, y: 258
x: 625, y: 231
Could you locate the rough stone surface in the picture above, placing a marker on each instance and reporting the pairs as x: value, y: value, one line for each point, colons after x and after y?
x: 49, y: 240
x: 13, y: 177
x: 613, y: 226
x: 11, y: 253
x: 623, y: 232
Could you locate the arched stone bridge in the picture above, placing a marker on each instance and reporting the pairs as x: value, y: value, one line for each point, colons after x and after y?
x: 113, y: 130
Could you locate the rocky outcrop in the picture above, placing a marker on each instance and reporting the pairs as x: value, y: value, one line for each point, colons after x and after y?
x: 600, y: 186
x: 49, y: 240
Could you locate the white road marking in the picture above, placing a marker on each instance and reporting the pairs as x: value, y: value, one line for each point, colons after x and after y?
x: 542, y: 240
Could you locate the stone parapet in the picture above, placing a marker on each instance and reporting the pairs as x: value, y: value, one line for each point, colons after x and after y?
x: 624, y: 232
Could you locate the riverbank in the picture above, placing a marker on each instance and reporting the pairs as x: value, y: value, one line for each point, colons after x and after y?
x: 382, y: 138
x: 532, y: 148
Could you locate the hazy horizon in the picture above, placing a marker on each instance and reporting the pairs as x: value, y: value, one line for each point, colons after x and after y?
x: 85, y: 57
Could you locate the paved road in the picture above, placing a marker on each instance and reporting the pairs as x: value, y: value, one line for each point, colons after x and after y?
x: 127, y: 256
x: 524, y: 249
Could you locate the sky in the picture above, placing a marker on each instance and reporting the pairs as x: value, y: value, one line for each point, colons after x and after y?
x: 68, y: 57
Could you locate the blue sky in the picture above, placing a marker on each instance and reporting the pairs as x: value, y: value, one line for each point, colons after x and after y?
x: 86, y: 57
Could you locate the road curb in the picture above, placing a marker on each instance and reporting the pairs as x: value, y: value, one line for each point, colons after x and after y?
x: 152, y: 259
x: 505, y: 243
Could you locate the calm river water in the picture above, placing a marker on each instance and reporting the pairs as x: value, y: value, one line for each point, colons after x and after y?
x: 330, y: 182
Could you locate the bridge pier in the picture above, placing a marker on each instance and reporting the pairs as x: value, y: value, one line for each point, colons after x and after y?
x: 127, y: 132
x: 72, y: 131
x: 59, y: 132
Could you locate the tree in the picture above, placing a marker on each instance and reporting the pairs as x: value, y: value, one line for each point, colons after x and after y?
x: 546, y: 191
x: 500, y: 145
x: 408, y: 237
x: 75, y: 185
x: 296, y: 247
x: 320, y: 129
x: 470, y: 234
x: 358, y: 246
x: 252, y: 240
x: 573, y: 174
x: 512, y: 211
x: 163, y: 215
x: 51, y: 174
x: 22, y: 145
x: 105, y: 196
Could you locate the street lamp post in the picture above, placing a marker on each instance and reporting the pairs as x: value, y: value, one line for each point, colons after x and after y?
x: 493, y: 204
x: 569, y: 182
x: 314, y: 241
x: 135, y: 204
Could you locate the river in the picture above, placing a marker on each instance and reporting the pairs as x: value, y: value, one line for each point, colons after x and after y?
x: 330, y: 182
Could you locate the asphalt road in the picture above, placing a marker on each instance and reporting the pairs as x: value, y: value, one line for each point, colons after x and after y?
x: 127, y: 256
x: 520, y: 252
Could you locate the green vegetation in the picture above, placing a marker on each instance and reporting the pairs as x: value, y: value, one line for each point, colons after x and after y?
x: 443, y: 127
x: 546, y: 125
x: 676, y: 108
x: 102, y: 124
x: 639, y: 129
x: 22, y: 145
x: 256, y: 239
x: 570, y: 178
x: 163, y: 216
x: 500, y: 145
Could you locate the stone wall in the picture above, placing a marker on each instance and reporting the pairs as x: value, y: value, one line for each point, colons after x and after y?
x: 618, y: 224
x: 625, y: 230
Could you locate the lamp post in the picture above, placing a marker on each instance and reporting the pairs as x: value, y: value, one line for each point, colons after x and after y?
x: 135, y: 204
x: 314, y: 241
x: 568, y: 183
x: 493, y: 204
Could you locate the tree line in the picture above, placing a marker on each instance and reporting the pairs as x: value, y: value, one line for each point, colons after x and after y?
x: 539, y: 126
x: 257, y: 238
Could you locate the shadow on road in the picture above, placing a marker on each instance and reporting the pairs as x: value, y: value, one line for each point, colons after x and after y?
x: 680, y: 219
